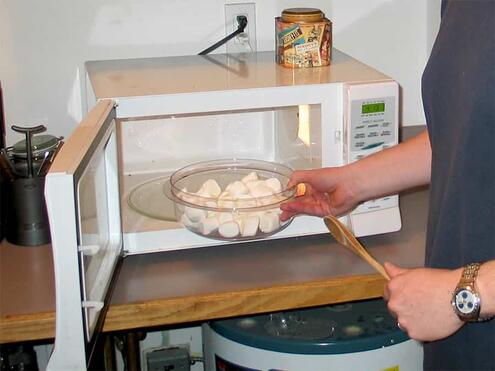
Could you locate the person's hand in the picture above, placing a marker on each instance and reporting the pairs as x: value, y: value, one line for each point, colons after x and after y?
x: 420, y: 300
x: 328, y: 191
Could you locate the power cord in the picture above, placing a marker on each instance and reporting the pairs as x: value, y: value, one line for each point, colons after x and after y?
x: 242, y: 23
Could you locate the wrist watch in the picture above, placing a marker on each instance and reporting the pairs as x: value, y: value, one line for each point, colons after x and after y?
x: 466, y: 300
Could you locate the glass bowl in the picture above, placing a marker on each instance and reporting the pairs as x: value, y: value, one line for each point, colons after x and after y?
x: 231, y: 200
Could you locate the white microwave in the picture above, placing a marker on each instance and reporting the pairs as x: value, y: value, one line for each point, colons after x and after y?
x: 150, y: 117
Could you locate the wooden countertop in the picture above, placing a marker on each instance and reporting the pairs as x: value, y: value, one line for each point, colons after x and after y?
x: 214, y: 282
x: 27, y: 293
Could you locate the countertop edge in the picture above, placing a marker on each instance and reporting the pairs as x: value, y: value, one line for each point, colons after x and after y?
x: 244, y: 302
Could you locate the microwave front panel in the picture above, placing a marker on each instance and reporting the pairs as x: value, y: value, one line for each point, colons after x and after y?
x: 82, y: 196
x: 372, y: 124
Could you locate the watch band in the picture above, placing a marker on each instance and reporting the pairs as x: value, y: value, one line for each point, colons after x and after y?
x: 469, y: 274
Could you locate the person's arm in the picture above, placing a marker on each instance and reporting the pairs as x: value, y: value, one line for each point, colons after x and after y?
x: 420, y: 299
x: 395, y: 169
x: 336, y: 190
x: 486, y: 286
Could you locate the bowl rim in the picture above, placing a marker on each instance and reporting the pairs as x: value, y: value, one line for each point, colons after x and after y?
x: 175, y: 193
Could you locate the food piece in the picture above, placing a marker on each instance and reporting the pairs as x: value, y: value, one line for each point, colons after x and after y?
x: 224, y: 217
x: 269, y: 221
x: 261, y: 190
x: 254, y: 183
x: 187, y: 222
x: 194, y: 214
x: 210, y: 188
x: 236, y: 189
x: 248, y: 225
x: 250, y: 177
x: 226, y: 203
x: 225, y: 200
x: 268, y: 200
x: 274, y: 184
x: 245, y: 201
x: 229, y: 229
x: 214, y: 205
x: 209, y: 225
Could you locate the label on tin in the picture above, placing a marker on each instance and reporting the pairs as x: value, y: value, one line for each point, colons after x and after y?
x: 303, y: 45
x: 311, y: 46
x: 291, y: 36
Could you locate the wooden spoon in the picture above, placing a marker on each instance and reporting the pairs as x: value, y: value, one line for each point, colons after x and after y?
x: 345, y: 237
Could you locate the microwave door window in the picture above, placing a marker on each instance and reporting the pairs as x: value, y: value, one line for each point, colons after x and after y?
x: 99, y: 230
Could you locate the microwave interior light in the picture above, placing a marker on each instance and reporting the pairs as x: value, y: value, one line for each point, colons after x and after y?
x: 303, y: 131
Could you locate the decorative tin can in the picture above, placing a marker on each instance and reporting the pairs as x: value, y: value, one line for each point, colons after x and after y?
x: 303, y: 38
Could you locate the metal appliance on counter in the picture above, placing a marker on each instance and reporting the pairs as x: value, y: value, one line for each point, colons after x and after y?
x: 353, y: 337
x: 24, y: 167
x: 153, y: 116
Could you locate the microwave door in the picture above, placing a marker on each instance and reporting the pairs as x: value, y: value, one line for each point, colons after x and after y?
x: 82, y: 195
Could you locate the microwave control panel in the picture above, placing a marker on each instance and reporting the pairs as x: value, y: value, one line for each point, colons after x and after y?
x: 372, y: 125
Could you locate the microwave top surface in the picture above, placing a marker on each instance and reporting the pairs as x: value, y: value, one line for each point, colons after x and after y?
x: 217, y: 72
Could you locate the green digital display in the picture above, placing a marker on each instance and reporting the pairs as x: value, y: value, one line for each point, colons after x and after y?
x: 373, y: 108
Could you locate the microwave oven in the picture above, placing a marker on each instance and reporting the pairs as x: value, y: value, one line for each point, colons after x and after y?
x: 149, y: 117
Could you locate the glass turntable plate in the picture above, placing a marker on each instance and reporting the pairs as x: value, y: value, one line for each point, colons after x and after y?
x: 149, y: 200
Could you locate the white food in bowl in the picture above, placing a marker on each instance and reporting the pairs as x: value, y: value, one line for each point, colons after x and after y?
x: 250, y: 177
x: 224, y: 217
x: 187, y: 222
x: 237, y: 189
x: 210, y: 188
x: 229, y: 229
x: 274, y: 184
x: 238, y: 195
x: 269, y: 221
x: 248, y: 225
x: 245, y: 201
x: 209, y: 225
x: 195, y: 214
x: 261, y: 190
x: 251, y: 184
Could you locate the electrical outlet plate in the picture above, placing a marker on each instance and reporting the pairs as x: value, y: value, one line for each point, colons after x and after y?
x: 235, y: 45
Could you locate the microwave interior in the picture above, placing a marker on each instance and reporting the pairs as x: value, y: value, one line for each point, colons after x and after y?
x: 152, y: 148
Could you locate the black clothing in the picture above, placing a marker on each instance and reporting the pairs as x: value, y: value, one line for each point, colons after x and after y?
x: 459, y: 101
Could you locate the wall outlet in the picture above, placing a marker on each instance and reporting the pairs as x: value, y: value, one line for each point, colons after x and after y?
x: 241, y: 43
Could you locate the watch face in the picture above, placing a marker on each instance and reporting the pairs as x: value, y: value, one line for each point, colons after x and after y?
x: 466, y: 301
